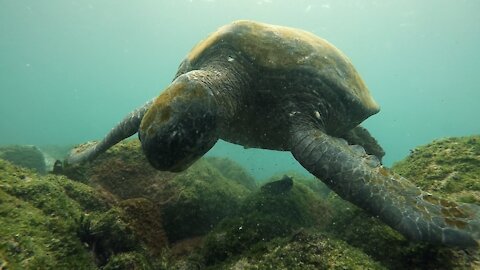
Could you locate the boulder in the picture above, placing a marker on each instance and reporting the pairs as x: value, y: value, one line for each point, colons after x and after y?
x: 52, y: 222
x: 278, y: 209
x: 449, y: 167
x: 192, y: 202
x: 27, y: 156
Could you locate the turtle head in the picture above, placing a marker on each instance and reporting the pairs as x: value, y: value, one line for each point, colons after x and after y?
x: 180, y: 126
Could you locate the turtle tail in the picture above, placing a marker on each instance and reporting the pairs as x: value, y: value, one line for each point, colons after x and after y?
x: 126, y: 128
x: 360, y: 179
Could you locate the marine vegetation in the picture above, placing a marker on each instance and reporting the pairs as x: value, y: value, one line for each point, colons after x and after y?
x: 371, y: 240
x: 449, y: 167
x: 279, y: 88
x: 27, y: 156
x: 277, y: 210
x: 306, y: 251
x: 202, y: 193
x: 233, y: 171
x: 288, y: 222
x: 433, y: 166
x: 52, y: 222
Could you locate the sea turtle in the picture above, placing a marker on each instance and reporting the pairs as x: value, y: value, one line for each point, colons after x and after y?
x: 274, y: 87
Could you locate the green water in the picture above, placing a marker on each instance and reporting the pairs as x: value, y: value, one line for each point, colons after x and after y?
x: 70, y: 70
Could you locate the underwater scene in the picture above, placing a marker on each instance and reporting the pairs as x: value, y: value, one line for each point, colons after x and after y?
x: 228, y: 134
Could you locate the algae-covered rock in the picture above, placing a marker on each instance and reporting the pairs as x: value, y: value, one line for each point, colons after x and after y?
x: 277, y: 210
x: 29, y: 239
x: 385, y: 245
x: 192, y: 202
x: 317, y: 186
x: 306, y: 251
x: 27, y: 156
x: 52, y: 222
x: 124, y: 236
x: 198, y: 199
x: 127, y: 261
x: 107, y: 234
x: 278, y: 187
x: 37, y: 228
x: 448, y: 167
x: 145, y: 219
x: 233, y: 171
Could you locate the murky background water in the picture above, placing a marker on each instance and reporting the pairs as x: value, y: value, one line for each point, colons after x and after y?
x: 70, y: 70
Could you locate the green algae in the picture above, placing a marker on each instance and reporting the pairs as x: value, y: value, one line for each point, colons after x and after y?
x: 145, y: 219
x: 320, y: 252
x: 192, y: 202
x: 27, y: 156
x: 52, y: 222
x: 389, y: 248
x: 449, y: 167
x: 233, y: 171
x: 268, y: 213
x: 35, y: 232
x: 123, y: 222
x: 304, y: 250
x: 429, y: 167
x: 106, y: 235
x: 204, y: 198
x: 128, y: 261
x: 115, y: 236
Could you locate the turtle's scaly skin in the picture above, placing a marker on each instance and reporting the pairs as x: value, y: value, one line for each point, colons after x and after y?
x: 280, y: 88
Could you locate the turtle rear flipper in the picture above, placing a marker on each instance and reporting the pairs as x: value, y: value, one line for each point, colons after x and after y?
x: 126, y: 128
x: 396, y: 201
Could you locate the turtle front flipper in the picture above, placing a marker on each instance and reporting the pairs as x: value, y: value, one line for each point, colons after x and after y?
x: 360, y: 135
x: 356, y: 177
x: 126, y: 128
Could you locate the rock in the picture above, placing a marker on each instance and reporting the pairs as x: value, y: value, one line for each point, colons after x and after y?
x: 317, y: 186
x: 231, y: 170
x: 360, y: 230
x: 386, y: 246
x: 127, y: 261
x: 448, y: 167
x: 123, y: 217
x: 263, y: 216
x: 306, y: 251
x: 52, y: 222
x: 37, y: 221
x: 191, y: 202
x: 145, y: 219
x: 27, y: 156
x: 278, y: 187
